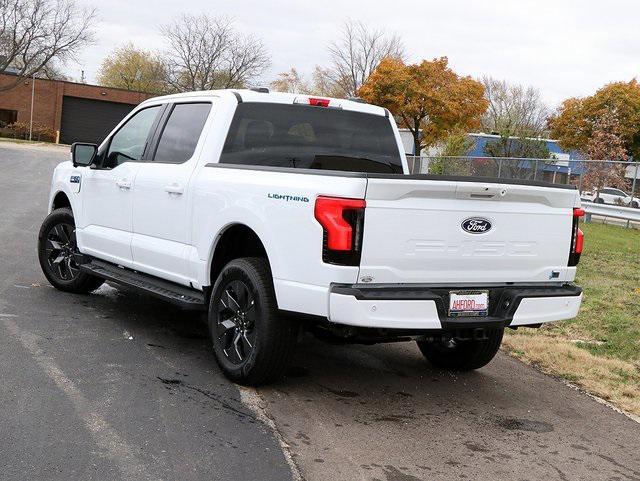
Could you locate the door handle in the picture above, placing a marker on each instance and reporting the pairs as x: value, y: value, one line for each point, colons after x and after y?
x: 174, y: 188
x: 123, y: 184
x: 479, y: 191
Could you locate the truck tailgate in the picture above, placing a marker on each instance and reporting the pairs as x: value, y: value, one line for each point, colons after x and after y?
x: 465, y: 232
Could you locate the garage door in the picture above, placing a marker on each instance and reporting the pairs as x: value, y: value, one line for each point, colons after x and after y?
x: 86, y: 120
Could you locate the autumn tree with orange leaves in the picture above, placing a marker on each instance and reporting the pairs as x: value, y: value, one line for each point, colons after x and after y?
x: 577, y: 118
x: 428, y: 98
x: 605, y: 143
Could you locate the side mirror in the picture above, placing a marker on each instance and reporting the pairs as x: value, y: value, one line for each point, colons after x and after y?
x: 83, y: 155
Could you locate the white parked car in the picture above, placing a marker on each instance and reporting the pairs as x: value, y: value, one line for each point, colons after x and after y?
x: 279, y: 212
x: 610, y: 195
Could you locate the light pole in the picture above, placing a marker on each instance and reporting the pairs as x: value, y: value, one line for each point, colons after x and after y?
x: 33, y: 93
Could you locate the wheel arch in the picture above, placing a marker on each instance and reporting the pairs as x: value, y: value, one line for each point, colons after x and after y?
x: 60, y: 199
x: 236, y: 240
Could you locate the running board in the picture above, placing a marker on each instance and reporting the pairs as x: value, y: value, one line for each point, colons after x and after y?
x: 176, y: 294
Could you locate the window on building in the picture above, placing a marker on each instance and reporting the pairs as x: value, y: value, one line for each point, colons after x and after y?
x: 7, y: 117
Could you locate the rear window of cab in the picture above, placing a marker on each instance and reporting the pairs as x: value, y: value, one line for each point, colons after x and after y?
x: 311, y: 137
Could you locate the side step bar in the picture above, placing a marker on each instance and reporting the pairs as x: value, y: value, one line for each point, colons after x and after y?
x: 182, y: 296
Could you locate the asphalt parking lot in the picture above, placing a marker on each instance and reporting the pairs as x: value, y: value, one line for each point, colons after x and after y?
x: 116, y: 385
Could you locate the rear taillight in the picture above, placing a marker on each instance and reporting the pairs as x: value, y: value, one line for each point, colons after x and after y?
x: 342, y: 221
x: 577, y: 238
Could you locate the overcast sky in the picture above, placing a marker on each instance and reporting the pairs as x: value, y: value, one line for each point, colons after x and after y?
x: 563, y: 47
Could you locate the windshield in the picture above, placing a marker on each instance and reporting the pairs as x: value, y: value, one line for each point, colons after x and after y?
x: 309, y: 137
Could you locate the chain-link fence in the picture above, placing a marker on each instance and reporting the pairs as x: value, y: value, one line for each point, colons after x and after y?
x: 620, y: 181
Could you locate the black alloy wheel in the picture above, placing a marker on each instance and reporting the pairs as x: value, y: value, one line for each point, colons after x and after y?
x: 61, y: 251
x: 253, y: 341
x: 59, y: 255
x: 236, y: 321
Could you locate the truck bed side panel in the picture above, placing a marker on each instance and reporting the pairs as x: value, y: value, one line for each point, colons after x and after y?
x: 279, y: 207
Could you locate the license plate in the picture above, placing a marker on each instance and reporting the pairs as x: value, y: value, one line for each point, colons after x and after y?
x: 468, y: 303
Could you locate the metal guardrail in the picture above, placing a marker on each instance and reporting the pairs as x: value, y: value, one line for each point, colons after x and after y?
x: 613, y: 211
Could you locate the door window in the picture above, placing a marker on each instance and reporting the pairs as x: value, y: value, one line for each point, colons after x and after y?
x: 181, y: 132
x: 129, y: 141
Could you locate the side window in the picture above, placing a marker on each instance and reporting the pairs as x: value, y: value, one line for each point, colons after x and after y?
x: 129, y: 142
x: 181, y: 133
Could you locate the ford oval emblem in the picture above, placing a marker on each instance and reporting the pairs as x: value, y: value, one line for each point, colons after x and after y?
x: 476, y: 225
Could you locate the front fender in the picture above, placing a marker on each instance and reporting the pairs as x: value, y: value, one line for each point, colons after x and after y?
x: 66, y: 179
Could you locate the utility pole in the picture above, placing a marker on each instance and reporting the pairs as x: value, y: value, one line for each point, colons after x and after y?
x: 33, y: 93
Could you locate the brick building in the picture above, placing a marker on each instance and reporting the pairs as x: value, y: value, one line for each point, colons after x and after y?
x: 72, y: 111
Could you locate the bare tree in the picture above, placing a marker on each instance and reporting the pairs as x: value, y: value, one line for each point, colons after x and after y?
x: 319, y: 83
x: 52, y: 71
x: 358, y: 52
x: 35, y: 34
x: 207, y: 53
x: 519, y: 116
x: 322, y: 83
x: 292, y: 82
x: 514, y: 110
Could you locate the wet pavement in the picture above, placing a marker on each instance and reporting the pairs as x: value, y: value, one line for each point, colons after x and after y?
x: 117, y: 385
x: 113, y: 385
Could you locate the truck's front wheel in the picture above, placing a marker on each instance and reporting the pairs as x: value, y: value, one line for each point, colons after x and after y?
x: 462, y: 355
x: 58, y: 254
x: 253, y: 343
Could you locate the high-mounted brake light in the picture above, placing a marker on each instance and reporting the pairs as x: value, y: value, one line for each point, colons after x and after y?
x: 316, y: 102
x: 342, y: 221
x: 577, y: 238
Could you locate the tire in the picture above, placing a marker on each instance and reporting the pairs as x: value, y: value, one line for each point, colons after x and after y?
x: 462, y: 355
x: 634, y: 204
x: 58, y: 251
x: 599, y: 200
x: 252, y: 342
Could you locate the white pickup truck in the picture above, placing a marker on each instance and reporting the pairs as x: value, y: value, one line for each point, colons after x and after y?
x: 279, y: 213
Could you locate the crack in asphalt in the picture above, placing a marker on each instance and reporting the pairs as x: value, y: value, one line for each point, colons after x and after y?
x: 208, y: 394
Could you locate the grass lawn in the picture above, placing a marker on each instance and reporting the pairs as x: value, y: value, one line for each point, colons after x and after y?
x: 600, y: 349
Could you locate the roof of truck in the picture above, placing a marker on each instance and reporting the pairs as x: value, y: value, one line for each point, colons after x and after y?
x: 248, y: 95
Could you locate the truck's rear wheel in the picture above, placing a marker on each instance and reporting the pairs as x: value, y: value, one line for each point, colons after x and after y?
x: 252, y: 342
x: 462, y: 355
x: 58, y: 254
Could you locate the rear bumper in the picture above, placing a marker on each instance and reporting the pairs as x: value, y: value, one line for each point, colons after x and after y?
x: 425, y: 308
